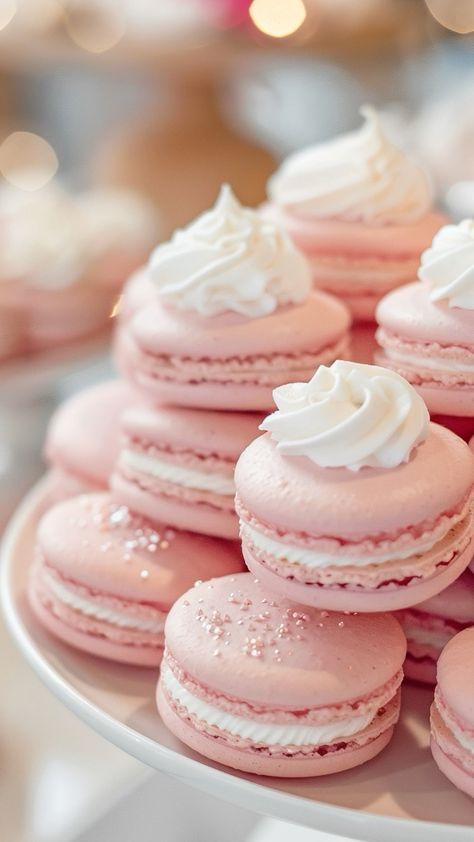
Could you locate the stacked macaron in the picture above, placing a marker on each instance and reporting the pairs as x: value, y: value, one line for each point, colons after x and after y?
x: 232, y: 315
x: 83, y: 439
x: 430, y: 625
x: 229, y: 283
x: 104, y: 579
x: 63, y: 260
x: 360, y: 210
x: 427, y: 328
x: 452, y: 712
x: 339, y: 521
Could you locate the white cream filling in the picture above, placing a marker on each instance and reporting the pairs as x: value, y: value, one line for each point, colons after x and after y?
x: 174, y: 473
x: 311, y: 558
x: 101, y: 612
x: 461, y: 736
x: 432, y: 363
x: 428, y: 637
x: 262, y: 732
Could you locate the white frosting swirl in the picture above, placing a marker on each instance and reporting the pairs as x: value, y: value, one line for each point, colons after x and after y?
x: 448, y: 265
x: 349, y: 415
x: 359, y: 177
x: 50, y: 237
x: 230, y: 258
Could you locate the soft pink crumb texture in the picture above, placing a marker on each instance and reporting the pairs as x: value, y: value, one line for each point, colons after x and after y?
x: 83, y: 437
x: 453, y: 711
x: 363, y: 514
x: 356, y: 261
x: 410, y: 323
x: 233, y: 645
x: 437, y: 621
x: 120, y: 576
x: 230, y: 361
x: 205, y: 441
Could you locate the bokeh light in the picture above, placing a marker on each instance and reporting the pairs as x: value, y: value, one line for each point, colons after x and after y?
x: 278, y: 18
x: 39, y: 16
x: 27, y: 160
x: 96, y: 29
x: 456, y: 15
x: 7, y: 12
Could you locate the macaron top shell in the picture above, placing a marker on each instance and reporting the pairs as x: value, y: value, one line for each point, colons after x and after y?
x: 456, y: 677
x: 454, y: 603
x: 409, y: 312
x: 338, y: 235
x: 305, y: 658
x: 84, y: 433
x: 319, y: 321
x: 224, y: 434
x: 292, y: 493
x: 94, y: 541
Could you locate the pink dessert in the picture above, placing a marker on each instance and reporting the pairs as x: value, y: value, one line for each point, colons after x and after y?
x: 430, y: 625
x: 353, y: 500
x: 360, y: 210
x: 83, y: 438
x: 266, y: 686
x: 234, y: 315
x: 137, y: 293
x: 64, y: 259
x: 427, y: 329
x: 452, y: 712
x: 104, y: 578
x: 177, y: 465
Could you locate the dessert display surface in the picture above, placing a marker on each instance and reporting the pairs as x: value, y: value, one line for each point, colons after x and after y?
x: 346, y: 503
x: 399, y: 794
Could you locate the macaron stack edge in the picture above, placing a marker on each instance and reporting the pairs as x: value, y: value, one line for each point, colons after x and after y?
x: 170, y: 467
x: 362, y: 211
x: 240, y: 426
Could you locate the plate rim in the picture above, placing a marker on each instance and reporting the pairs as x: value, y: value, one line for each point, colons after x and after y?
x: 368, y: 827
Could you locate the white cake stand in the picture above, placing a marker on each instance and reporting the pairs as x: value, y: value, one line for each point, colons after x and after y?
x: 399, y: 795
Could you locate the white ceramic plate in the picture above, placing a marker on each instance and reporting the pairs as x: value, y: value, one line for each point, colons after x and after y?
x: 399, y: 795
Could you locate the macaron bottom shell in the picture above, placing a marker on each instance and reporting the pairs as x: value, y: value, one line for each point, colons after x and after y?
x: 362, y: 599
x: 90, y: 641
x: 247, y: 385
x: 257, y: 762
x: 182, y: 514
x: 461, y: 779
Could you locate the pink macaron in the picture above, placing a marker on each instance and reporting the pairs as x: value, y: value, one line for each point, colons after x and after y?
x: 177, y: 465
x: 104, y: 578
x: 353, y: 500
x: 452, y: 712
x: 360, y: 210
x: 83, y: 438
x: 432, y: 345
x: 266, y: 686
x: 65, y: 257
x: 430, y: 625
x: 234, y: 316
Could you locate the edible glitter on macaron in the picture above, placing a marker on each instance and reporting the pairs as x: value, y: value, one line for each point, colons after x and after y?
x: 256, y: 682
x: 104, y: 578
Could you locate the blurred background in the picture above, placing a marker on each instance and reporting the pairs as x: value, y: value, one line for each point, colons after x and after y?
x: 162, y: 100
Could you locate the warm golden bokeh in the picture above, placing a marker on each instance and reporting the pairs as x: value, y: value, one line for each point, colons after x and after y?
x: 278, y: 18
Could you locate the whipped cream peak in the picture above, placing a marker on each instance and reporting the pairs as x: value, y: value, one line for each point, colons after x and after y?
x: 230, y: 259
x: 358, y: 177
x: 349, y: 415
x: 447, y: 267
